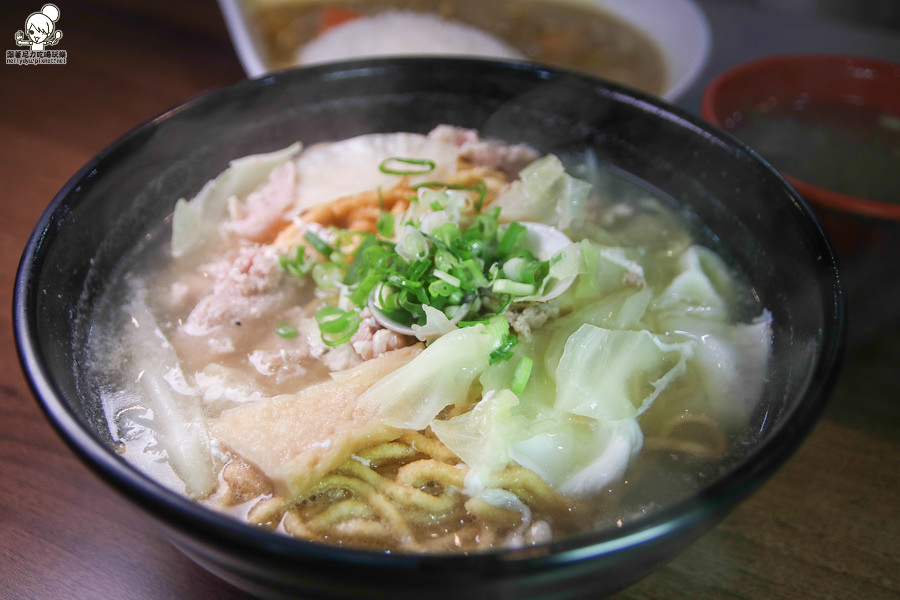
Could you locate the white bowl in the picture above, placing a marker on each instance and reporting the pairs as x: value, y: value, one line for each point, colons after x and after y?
x: 678, y: 27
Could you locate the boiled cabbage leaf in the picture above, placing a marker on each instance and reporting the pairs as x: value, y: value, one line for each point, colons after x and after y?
x: 624, y: 309
x: 578, y: 457
x: 607, y: 269
x: 698, y: 287
x: 731, y: 361
x: 545, y: 193
x: 603, y: 373
x: 178, y: 423
x: 480, y: 437
x: 436, y: 325
x: 587, y: 438
x: 440, y: 376
x: 195, y: 222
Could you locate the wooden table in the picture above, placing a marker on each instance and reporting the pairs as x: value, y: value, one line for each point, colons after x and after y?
x: 825, y: 527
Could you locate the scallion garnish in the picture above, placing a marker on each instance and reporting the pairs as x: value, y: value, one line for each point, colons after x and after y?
x: 328, y: 276
x: 318, y: 243
x: 512, y: 240
x: 422, y: 166
x: 286, y: 330
x: 504, y: 351
x: 471, y: 273
x: 385, y: 224
x: 513, y: 288
x: 337, y: 325
x: 298, y: 266
x: 521, y: 374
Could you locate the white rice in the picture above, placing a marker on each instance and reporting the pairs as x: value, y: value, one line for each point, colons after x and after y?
x: 400, y: 33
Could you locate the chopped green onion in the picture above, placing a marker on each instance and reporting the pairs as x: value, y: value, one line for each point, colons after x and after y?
x: 363, y: 288
x: 286, y: 330
x: 454, y: 281
x: 521, y: 375
x: 412, y: 244
x: 514, y: 268
x: 386, y: 299
x: 424, y: 166
x: 445, y: 259
x: 327, y: 276
x: 471, y: 272
x: 319, y: 244
x: 403, y: 282
x: 482, y: 192
x: 526, y: 269
x: 418, y: 269
x: 385, y: 224
x: 512, y: 239
x: 506, y: 301
x: 297, y: 266
x: 448, y: 233
x: 412, y: 306
x: 368, y: 251
x: 504, y: 350
x: 336, y: 325
x: 536, y: 272
x: 514, y: 288
x: 440, y: 288
x: 471, y: 275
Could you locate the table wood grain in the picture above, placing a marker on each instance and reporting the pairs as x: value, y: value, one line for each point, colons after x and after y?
x: 826, y: 526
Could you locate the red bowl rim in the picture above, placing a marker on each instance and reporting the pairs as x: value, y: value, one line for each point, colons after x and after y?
x: 814, y: 193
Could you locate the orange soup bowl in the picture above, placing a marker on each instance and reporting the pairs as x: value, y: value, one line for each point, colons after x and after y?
x: 831, y: 125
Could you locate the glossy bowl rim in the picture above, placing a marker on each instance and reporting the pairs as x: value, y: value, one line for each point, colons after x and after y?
x: 813, y: 63
x: 182, y: 514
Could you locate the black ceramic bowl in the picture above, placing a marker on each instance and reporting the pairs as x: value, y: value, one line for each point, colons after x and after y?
x: 752, y: 216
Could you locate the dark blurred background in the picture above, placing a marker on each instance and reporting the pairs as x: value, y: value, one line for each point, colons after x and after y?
x: 878, y: 14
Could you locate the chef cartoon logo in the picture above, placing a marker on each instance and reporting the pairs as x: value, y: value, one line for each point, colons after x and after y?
x: 39, y: 34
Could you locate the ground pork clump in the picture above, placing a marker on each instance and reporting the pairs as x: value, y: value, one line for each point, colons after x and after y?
x: 533, y: 316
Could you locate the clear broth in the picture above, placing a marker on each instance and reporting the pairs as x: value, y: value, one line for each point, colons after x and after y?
x: 657, y: 478
x: 854, y: 150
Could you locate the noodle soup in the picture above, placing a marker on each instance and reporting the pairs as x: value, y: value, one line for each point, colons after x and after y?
x: 428, y: 343
x: 571, y: 34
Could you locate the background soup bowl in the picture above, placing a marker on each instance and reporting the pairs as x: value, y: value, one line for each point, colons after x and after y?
x: 831, y: 124
x: 747, y: 212
x: 678, y: 28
